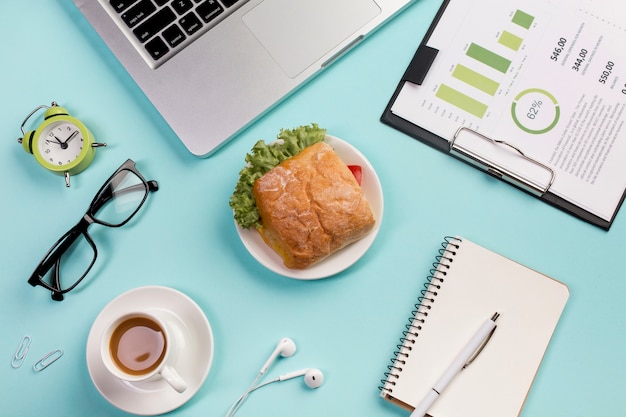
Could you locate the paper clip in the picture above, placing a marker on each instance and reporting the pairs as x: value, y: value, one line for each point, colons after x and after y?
x: 47, y: 360
x: 20, y: 353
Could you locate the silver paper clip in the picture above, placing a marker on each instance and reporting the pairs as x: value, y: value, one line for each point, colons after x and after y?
x: 47, y: 360
x: 20, y: 353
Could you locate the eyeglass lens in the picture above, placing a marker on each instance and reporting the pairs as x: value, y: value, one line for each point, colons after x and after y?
x: 119, y: 199
x: 73, y: 264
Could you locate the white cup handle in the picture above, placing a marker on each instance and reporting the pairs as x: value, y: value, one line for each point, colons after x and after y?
x: 170, y: 375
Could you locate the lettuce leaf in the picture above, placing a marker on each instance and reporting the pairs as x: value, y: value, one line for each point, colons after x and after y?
x: 262, y: 158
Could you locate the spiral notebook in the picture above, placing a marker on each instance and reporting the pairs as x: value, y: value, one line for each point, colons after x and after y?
x: 467, y: 284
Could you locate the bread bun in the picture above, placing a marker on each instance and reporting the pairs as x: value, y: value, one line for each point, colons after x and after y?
x: 311, y: 206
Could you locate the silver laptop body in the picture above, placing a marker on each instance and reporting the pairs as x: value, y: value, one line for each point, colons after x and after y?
x: 244, y: 61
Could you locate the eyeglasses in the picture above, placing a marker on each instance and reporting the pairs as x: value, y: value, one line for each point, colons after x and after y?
x: 72, y: 256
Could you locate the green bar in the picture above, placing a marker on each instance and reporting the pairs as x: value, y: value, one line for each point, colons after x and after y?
x: 460, y: 100
x: 522, y: 19
x: 510, y: 40
x: 487, y: 57
x: 475, y: 79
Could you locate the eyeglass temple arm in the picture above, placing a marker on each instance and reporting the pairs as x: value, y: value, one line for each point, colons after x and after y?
x: 57, y: 295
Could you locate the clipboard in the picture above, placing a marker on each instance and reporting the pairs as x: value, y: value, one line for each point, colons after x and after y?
x: 415, y: 73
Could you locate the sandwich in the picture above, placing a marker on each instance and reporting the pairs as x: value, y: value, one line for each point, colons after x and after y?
x: 306, y: 203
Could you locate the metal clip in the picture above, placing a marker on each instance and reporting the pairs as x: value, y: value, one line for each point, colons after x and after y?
x: 531, y: 183
x: 20, y: 353
x: 484, y: 343
x: 47, y: 360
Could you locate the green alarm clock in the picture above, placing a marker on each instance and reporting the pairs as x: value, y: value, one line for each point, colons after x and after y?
x: 61, y: 144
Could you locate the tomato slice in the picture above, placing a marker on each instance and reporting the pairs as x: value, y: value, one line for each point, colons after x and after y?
x: 357, y: 171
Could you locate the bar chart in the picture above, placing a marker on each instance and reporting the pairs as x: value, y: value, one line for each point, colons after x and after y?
x: 483, y: 68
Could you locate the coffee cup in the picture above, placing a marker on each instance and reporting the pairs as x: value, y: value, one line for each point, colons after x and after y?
x: 142, y: 346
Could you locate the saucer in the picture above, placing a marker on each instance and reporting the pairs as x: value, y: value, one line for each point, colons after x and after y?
x: 193, y: 363
x: 347, y: 256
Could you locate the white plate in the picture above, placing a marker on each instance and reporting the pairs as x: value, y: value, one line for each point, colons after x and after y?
x: 193, y: 364
x: 347, y: 256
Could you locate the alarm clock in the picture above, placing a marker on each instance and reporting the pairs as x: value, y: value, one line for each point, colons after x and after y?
x: 61, y: 143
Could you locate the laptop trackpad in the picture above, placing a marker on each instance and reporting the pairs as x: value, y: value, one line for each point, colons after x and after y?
x: 298, y: 33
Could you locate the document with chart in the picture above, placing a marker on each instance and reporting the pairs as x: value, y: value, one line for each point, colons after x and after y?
x: 539, y: 90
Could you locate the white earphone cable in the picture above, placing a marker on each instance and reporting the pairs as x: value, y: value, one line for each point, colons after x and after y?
x: 253, y: 387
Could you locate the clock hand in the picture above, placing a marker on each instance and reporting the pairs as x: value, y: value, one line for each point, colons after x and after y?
x: 74, y: 133
x: 58, y: 141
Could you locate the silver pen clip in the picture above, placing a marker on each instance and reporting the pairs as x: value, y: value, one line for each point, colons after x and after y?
x: 20, y: 353
x: 483, y: 344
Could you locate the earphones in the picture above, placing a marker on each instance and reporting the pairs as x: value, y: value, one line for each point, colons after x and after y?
x: 285, y: 348
x: 313, y: 378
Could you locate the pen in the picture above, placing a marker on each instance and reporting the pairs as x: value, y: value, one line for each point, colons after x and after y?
x: 464, y: 358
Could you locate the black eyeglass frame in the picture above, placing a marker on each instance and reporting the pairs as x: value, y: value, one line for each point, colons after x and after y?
x: 53, y: 256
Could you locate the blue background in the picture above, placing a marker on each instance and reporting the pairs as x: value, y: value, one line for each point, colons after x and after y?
x: 347, y: 325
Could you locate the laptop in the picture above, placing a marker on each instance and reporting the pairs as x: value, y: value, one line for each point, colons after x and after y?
x: 212, y: 67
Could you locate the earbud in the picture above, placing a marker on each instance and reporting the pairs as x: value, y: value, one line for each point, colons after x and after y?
x: 313, y: 378
x: 285, y: 348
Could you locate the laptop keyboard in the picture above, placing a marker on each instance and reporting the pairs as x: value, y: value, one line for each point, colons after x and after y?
x: 161, y: 28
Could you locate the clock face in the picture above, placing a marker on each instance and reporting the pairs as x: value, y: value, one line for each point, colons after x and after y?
x: 60, y: 143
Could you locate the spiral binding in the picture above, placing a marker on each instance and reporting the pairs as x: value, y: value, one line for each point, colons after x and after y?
x: 433, y: 284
